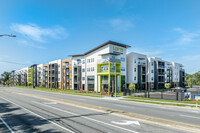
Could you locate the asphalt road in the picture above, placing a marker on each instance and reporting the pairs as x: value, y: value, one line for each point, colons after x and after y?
x: 24, y: 110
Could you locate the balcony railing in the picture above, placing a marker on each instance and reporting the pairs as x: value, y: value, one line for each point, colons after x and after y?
x: 161, y: 73
x: 143, y: 72
x: 104, y: 81
x: 143, y: 80
x: 90, y: 81
x: 110, y: 60
x: 111, y: 70
x: 161, y: 80
x: 161, y: 66
x: 117, y: 70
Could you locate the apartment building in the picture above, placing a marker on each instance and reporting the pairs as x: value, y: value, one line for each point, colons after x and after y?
x: 45, y: 75
x: 168, y: 72
x: 103, y: 67
x: 136, y: 69
x: 19, y: 77
x: 32, y: 75
x: 156, y: 73
x: 66, y: 74
x: 40, y: 75
x: 161, y: 72
x: 55, y: 74
x: 12, y: 77
x: 178, y: 74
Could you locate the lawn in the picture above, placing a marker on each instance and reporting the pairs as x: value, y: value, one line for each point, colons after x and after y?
x: 73, y: 92
x: 160, y: 101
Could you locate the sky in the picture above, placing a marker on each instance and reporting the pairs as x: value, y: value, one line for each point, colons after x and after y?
x: 47, y: 30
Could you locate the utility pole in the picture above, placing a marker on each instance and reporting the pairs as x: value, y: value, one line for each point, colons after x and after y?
x: 115, y: 81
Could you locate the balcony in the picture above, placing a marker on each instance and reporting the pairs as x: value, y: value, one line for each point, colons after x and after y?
x: 90, y: 81
x: 142, y: 63
x: 117, y: 70
x: 161, y: 66
x: 111, y: 70
x: 110, y: 60
x: 143, y: 72
x: 161, y: 73
x: 161, y: 80
x: 104, y: 81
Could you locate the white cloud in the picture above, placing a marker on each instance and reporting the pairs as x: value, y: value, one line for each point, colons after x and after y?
x: 148, y: 52
x: 24, y: 42
x: 186, y: 37
x: 191, y: 63
x: 37, y: 33
x: 121, y: 24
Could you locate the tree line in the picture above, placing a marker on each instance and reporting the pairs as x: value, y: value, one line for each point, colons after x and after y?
x: 192, y: 79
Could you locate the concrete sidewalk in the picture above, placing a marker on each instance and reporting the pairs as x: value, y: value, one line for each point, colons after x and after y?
x: 140, y: 100
x: 175, y: 103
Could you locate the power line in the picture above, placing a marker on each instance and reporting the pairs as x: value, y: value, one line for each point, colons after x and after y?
x: 13, y: 62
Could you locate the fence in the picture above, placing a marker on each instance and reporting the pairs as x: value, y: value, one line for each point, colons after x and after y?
x: 167, y: 95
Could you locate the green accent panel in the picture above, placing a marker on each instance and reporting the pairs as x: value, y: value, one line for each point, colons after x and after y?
x: 30, y: 76
x: 109, y: 72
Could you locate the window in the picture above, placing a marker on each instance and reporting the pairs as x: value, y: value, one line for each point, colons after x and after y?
x: 104, y: 68
x: 88, y: 69
x: 151, y: 71
x: 134, y: 69
x: 134, y: 78
x: 113, y: 57
x: 83, y: 61
x: 123, y: 69
x: 152, y: 85
x: 113, y: 68
x: 135, y: 61
x: 152, y: 78
x: 78, y: 62
x: 83, y: 70
x: 122, y: 59
x: 70, y: 64
x: 83, y: 78
x: 58, y: 72
x: 152, y: 63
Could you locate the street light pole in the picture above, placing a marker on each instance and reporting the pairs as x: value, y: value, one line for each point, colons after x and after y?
x: 7, y: 35
x: 115, y: 81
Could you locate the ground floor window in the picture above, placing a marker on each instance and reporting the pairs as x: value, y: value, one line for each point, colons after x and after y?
x: 152, y: 86
x: 91, y: 87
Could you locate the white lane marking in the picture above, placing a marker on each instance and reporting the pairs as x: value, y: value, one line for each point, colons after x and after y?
x: 125, y: 122
x: 39, y: 116
x: 87, y: 118
x: 50, y: 103
x: 190, y: 116
x: 10, y: 129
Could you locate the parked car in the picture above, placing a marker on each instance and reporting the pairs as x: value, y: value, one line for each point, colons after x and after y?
x: 178, y: 89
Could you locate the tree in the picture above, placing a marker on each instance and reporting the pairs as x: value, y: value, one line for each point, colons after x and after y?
x: 167, y: 85
x: 131, y: 87
x: 5, y: 77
